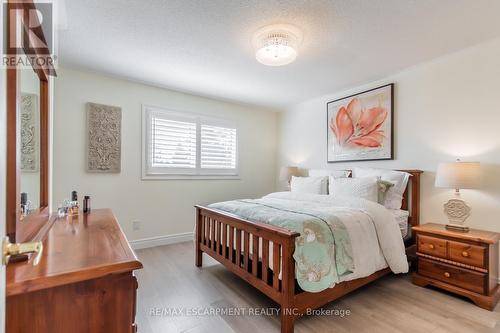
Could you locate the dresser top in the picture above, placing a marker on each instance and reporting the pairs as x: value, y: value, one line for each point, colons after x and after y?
x: 76, y: 249
x: 483, y: 236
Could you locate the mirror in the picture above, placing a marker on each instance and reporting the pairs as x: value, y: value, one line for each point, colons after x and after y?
x: 29, y: 148
x: 28, y: 126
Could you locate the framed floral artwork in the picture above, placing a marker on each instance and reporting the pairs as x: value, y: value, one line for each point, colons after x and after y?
x: 360, y: 126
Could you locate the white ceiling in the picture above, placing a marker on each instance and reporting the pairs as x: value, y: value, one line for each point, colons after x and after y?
x: 204, y: 47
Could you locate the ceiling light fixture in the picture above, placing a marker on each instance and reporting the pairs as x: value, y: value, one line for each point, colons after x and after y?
x: 277, y: 44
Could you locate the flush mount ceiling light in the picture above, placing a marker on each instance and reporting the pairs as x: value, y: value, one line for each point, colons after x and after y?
x: 277, y: 44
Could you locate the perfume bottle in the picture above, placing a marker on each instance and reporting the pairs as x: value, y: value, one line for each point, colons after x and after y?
x: 74, y: 207
x: 24, y: 202
x: 86, y: 204
x: 25, y: 205
x: 61, y: 211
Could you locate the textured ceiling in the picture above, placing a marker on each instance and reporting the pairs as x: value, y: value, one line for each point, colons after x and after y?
x: 204, y: 47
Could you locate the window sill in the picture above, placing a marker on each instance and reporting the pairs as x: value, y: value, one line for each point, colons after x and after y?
x: 191, y: 177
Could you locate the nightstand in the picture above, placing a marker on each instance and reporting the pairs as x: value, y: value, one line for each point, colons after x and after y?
x: 465, y: 263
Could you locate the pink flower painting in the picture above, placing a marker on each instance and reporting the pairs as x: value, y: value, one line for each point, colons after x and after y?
x: 359, y: 127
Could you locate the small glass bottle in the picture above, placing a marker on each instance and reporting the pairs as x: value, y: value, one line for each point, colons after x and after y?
x: 86, y: 204
x: 61, y: 211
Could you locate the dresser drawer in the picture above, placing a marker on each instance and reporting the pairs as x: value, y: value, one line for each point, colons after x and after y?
x: 470, y: 280
x: 431, y: 246
x: 473, y: 255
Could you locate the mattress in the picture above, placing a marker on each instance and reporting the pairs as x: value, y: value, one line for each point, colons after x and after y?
x: 401, y: 217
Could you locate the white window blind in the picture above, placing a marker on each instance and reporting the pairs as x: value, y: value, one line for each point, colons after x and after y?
x: 173, y: 143
x: 218, y: 147
x: 178, y: 145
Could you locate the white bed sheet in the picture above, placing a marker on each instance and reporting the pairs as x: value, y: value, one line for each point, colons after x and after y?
x: 401, y: 217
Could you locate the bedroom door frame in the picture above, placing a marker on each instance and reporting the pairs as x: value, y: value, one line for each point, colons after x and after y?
x: 3, y: 177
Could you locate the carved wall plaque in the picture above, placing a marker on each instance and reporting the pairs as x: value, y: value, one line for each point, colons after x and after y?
x: 104, y: 138
x: 29, y: 133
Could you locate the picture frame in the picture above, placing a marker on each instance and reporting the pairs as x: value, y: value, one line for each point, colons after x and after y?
x: 360, y: 127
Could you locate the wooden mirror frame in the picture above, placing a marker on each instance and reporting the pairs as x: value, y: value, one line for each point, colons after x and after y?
x: 32, y: 226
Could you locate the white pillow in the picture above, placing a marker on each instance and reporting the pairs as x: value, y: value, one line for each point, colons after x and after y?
x: 327, y: 173
x: 315, y: 185
x: 394, y: 196
x: 365, y: 188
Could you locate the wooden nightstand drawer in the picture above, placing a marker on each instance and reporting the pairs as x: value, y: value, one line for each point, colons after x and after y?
x: 431, y: 246
x: 470, y: 280
x: 473, y: 255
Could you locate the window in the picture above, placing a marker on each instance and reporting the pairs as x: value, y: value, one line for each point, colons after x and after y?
x: 177, y: 145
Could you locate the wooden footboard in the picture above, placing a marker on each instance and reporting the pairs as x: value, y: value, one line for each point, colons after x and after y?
x: 244, y: 248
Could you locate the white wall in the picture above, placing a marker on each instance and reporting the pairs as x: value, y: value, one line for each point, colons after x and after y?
x: 164, y: 207
x: 444, y: 109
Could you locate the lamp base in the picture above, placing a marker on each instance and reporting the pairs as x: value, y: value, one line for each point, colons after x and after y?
x: 457, y: 211
x: 457, y: 227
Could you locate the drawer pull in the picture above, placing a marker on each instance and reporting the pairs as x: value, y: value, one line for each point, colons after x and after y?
x: 465, y: 254
x: 446, y: 274
x: 431, y: 246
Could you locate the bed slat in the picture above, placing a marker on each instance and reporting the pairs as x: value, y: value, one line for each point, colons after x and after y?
x: 219, y: 238
x: 255, y: 260
x: 202, y: 233
x: 265, y: 260
x: 238, y: 247
x: 224, y: 239
x: 212, y: 236
x: 276, y: 265
x: 207, y: 231
x: 246, y: 249
x: 231, y: 243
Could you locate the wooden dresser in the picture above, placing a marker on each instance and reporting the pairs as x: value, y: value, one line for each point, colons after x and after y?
x: 84, y: 282
x: 465, y: 263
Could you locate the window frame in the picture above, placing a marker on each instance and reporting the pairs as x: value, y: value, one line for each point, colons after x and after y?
x: 165, y: 173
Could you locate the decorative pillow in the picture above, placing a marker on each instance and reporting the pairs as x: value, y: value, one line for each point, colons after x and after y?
x: 383, y: 188
x: 315, y: 185
x: 365, y: 188
x: 328, y: 173
x: 394, y: 196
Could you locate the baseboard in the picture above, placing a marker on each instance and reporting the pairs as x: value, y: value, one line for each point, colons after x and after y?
x: 161, y: 240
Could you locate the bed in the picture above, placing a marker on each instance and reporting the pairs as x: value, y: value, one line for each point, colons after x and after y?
x: 253, y: 250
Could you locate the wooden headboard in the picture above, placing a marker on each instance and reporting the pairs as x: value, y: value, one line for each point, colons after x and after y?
x: 411, y: 197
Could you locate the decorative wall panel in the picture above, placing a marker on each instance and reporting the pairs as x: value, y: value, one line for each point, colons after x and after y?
x: 104, y: 138
x: 29, y: 133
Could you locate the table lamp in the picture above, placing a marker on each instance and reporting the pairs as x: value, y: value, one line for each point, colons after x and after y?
x: 287, y: 172
x: 458, y: 175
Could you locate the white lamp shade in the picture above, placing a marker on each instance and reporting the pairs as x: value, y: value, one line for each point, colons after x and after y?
x: 458, y: 175
x: 286, y: 173
x: 276, y: 55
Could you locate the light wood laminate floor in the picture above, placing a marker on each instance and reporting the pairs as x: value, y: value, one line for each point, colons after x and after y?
x: 170, y: 286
